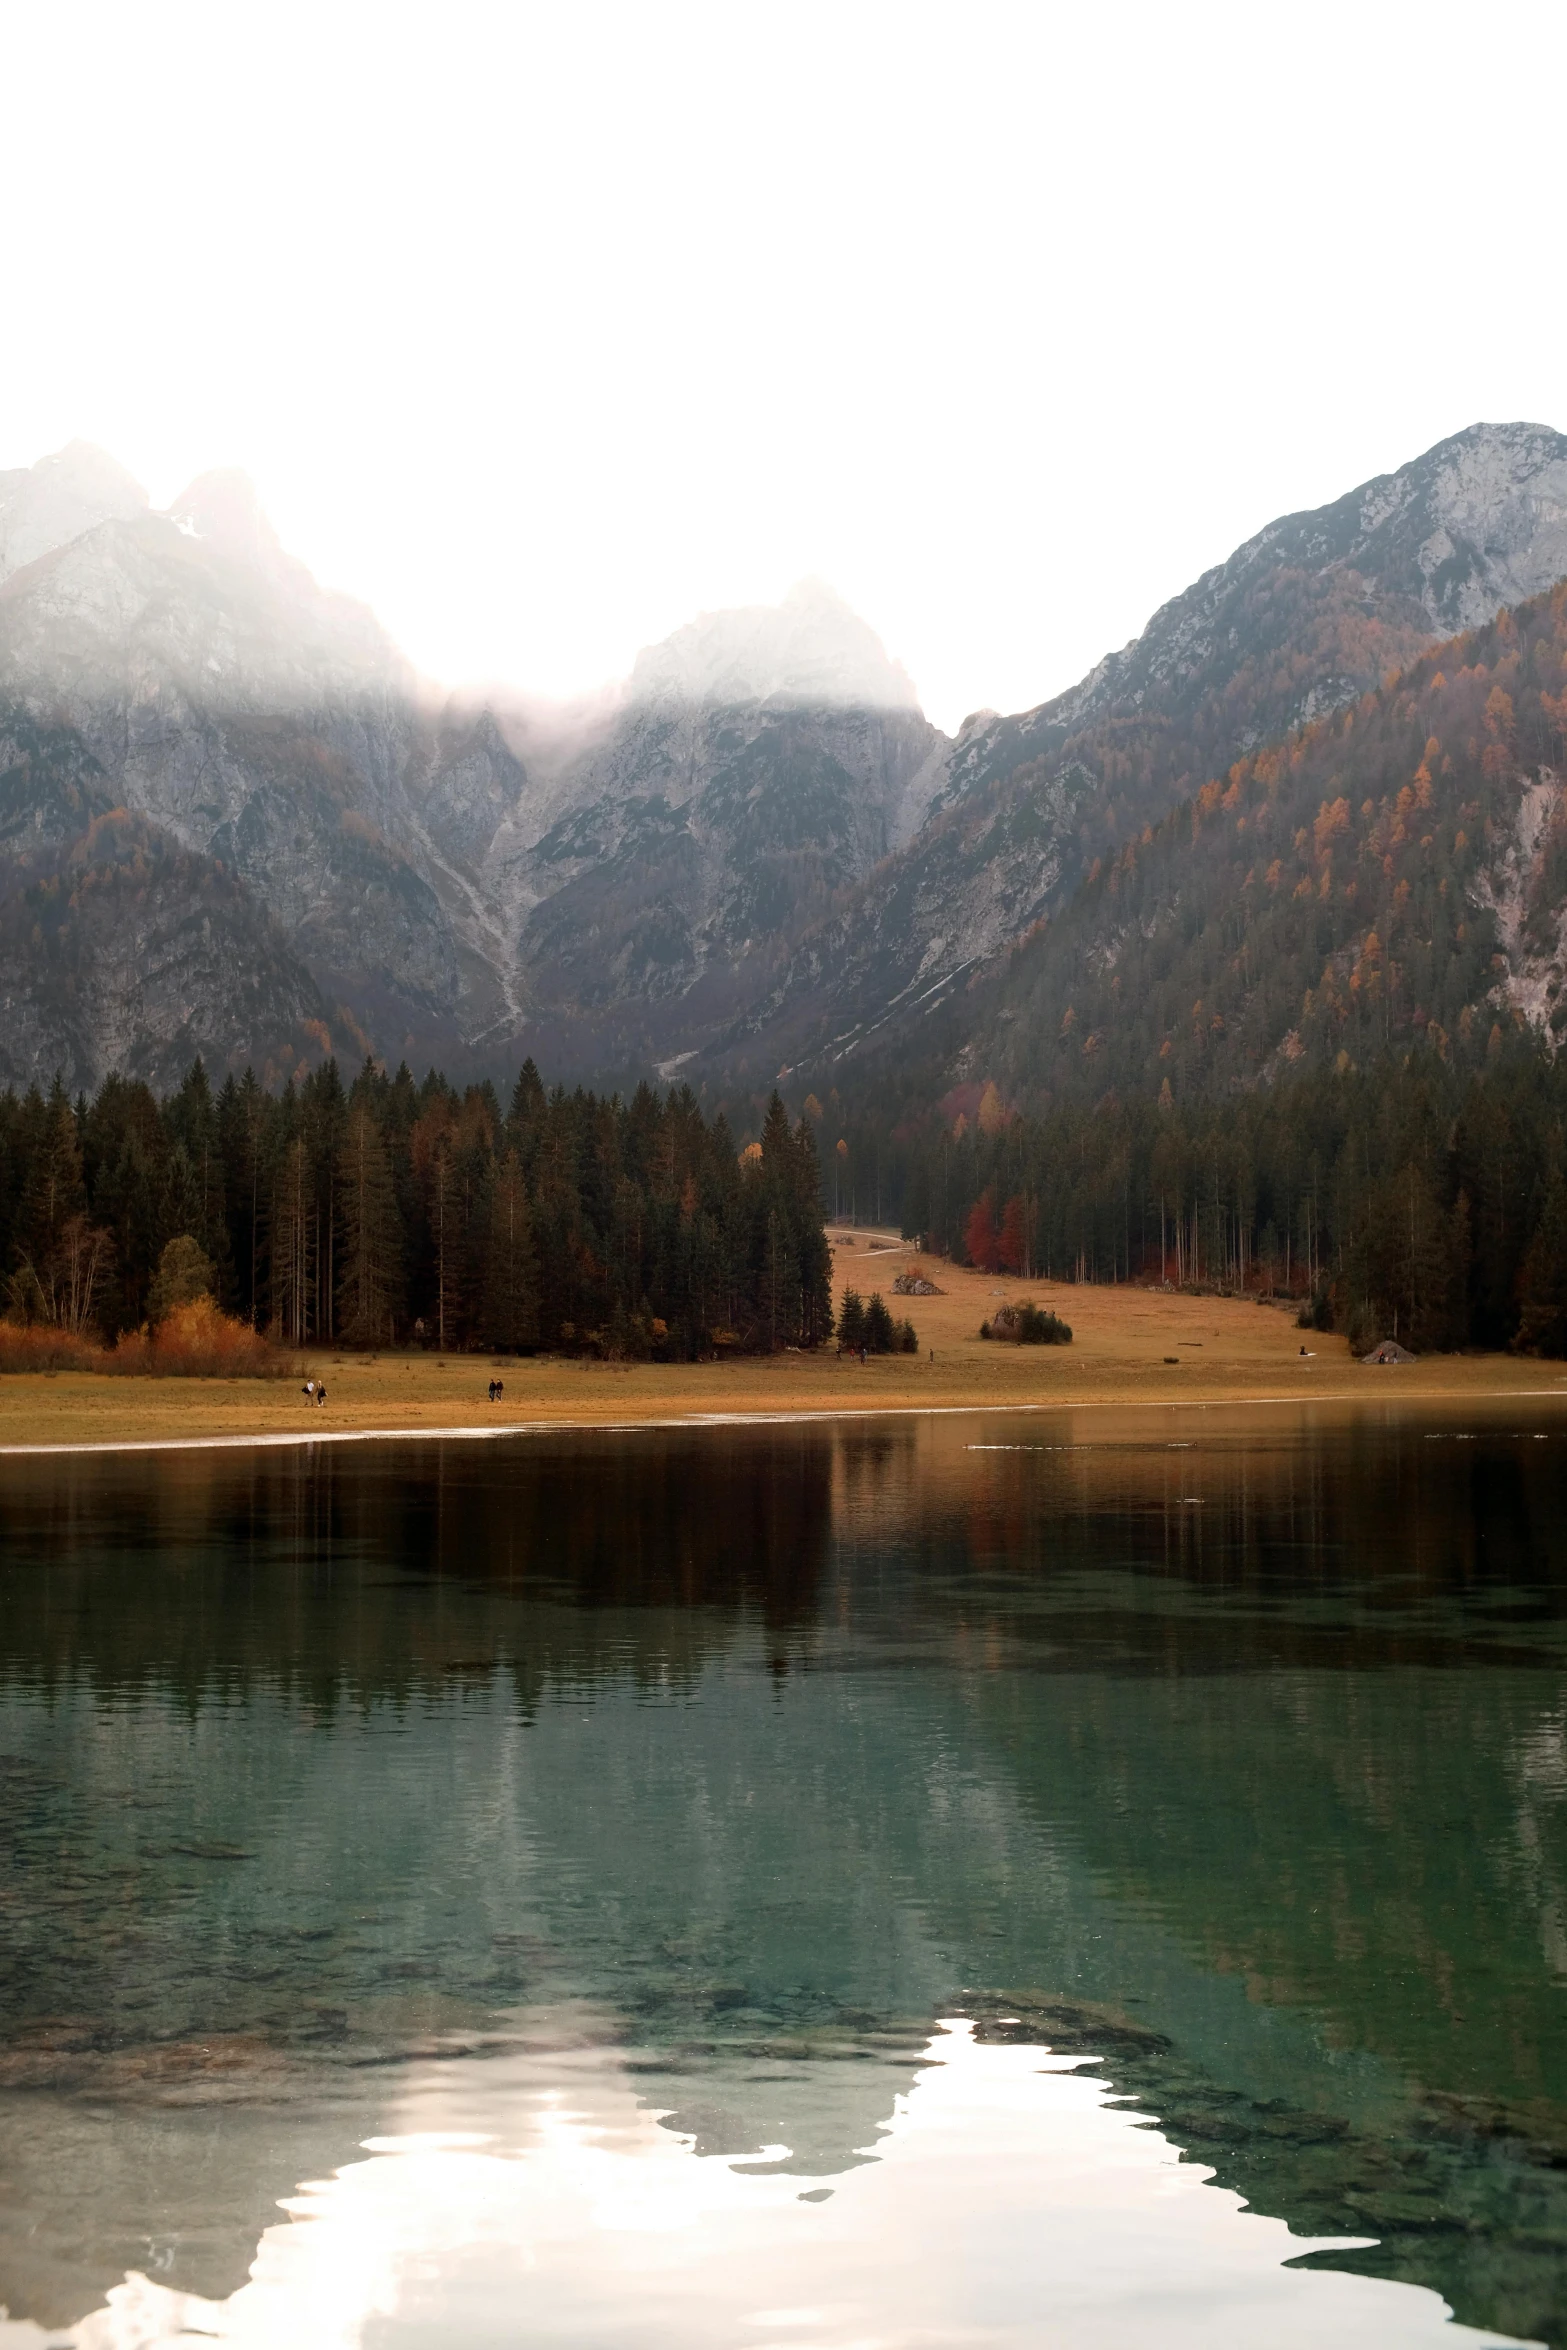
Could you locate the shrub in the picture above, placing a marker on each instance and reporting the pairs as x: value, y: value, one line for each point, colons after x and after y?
x: 1028, y: 1325
x: 39, y: 1346
x: 197, y: 1341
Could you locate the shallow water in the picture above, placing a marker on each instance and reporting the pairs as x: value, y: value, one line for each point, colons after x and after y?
x: 1068, y: 1879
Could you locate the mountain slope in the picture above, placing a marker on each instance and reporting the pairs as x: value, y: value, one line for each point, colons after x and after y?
x: 46, y: 505
x: 760, y: 762
x: 1391, y: 876
x: 1304, y: 617
x: 122, y: 950
x: 252, y: 718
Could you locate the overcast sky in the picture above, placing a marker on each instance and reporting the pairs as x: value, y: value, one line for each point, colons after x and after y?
x: 545, y: 327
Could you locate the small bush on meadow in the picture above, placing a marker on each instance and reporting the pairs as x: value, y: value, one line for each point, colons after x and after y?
x: 1028, y: 1325
x: 197, y: 1341
x: 39, y: 1346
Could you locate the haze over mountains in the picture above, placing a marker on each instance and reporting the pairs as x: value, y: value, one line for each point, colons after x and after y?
x: 236, y: 821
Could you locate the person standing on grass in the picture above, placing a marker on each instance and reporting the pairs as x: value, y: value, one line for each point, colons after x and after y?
x: 321, y: 1394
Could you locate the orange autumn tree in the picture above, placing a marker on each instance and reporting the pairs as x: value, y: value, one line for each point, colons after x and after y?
x: 981, y: 1240
x: 1012, y: 1242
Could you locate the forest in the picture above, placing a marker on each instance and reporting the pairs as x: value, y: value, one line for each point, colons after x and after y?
x: 391, y: 1212
x: 1414, y: 1200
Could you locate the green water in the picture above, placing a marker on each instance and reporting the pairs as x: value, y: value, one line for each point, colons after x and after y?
x: 1228, y: 1756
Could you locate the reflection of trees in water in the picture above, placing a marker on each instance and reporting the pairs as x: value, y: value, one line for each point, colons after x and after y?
x: 1234, y: 1727
x: 381, y: 1569
x: 1357, y: 1544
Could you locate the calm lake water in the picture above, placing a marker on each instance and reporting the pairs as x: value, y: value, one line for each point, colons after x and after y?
x: 1049, y: 1879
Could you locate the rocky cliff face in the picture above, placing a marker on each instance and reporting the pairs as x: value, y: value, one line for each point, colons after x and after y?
x: 121, y: 950
x: 635, y: 867
x: 1301, y: 620
x: 255, y: 720
x: 760, y: 764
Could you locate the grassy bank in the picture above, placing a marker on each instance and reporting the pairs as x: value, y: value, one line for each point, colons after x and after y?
x: 1224, y: 1350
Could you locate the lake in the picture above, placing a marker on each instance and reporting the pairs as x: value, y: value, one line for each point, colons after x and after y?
x: 1067, y: 1878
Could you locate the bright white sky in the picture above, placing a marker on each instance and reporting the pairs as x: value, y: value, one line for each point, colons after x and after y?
x: 544, y: 327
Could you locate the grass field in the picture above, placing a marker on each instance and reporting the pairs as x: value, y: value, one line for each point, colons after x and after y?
x: 1223, y: 1350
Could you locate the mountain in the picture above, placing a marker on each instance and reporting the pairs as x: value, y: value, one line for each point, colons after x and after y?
x: 46, y: 505
x: 257, y: 721
x: 753, y: 852
x: 759, y: 763
x: 119, y: 950
x: 455, y: 880
x: 1300, y: 621
x: 1393, y: 875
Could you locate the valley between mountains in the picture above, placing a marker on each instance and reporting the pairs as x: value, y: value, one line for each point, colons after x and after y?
x: 234, y: 821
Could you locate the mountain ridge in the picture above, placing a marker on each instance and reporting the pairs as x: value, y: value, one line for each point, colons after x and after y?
x: 753, y: 853
x: 1289, y: 627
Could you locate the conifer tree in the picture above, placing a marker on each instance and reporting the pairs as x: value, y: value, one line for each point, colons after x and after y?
x: 1542, y: 1325
x: 510, y: 1288
x: 370, y: 1279
x: 292, y: 1244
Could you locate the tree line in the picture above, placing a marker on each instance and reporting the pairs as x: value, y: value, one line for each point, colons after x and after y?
x: 388, y: 1212
x: 1417, y: 1200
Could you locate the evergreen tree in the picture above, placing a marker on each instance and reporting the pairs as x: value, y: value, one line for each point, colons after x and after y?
x: 370, y: 1274
x: 1542, y: 1325
x: 293, y: 1253
x: 510, y: 1293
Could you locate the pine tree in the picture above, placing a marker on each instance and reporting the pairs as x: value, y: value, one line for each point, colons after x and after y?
x: 191, y: 1119
x: 293, y: 1251
x: 370, y: 1279
x: 511, y: 1280
x: 54, y: 1190
x: 1542, y: 1325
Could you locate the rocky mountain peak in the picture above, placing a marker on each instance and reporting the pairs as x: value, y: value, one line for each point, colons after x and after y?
x: 223, y: 506
x: 810, y: 651
x: 46, y: 505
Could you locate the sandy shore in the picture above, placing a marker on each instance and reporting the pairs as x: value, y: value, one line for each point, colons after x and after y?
x: 1223, y: 1350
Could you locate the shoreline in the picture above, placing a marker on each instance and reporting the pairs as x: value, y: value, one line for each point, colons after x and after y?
x: 1134, y: 1348
x: 274, y: 1439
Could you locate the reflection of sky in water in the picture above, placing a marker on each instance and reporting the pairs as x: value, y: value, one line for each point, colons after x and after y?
x: 1011, y: 2200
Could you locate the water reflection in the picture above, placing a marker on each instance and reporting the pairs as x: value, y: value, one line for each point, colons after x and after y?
x: 1010, y: 2202
x: 1230, y: 1758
